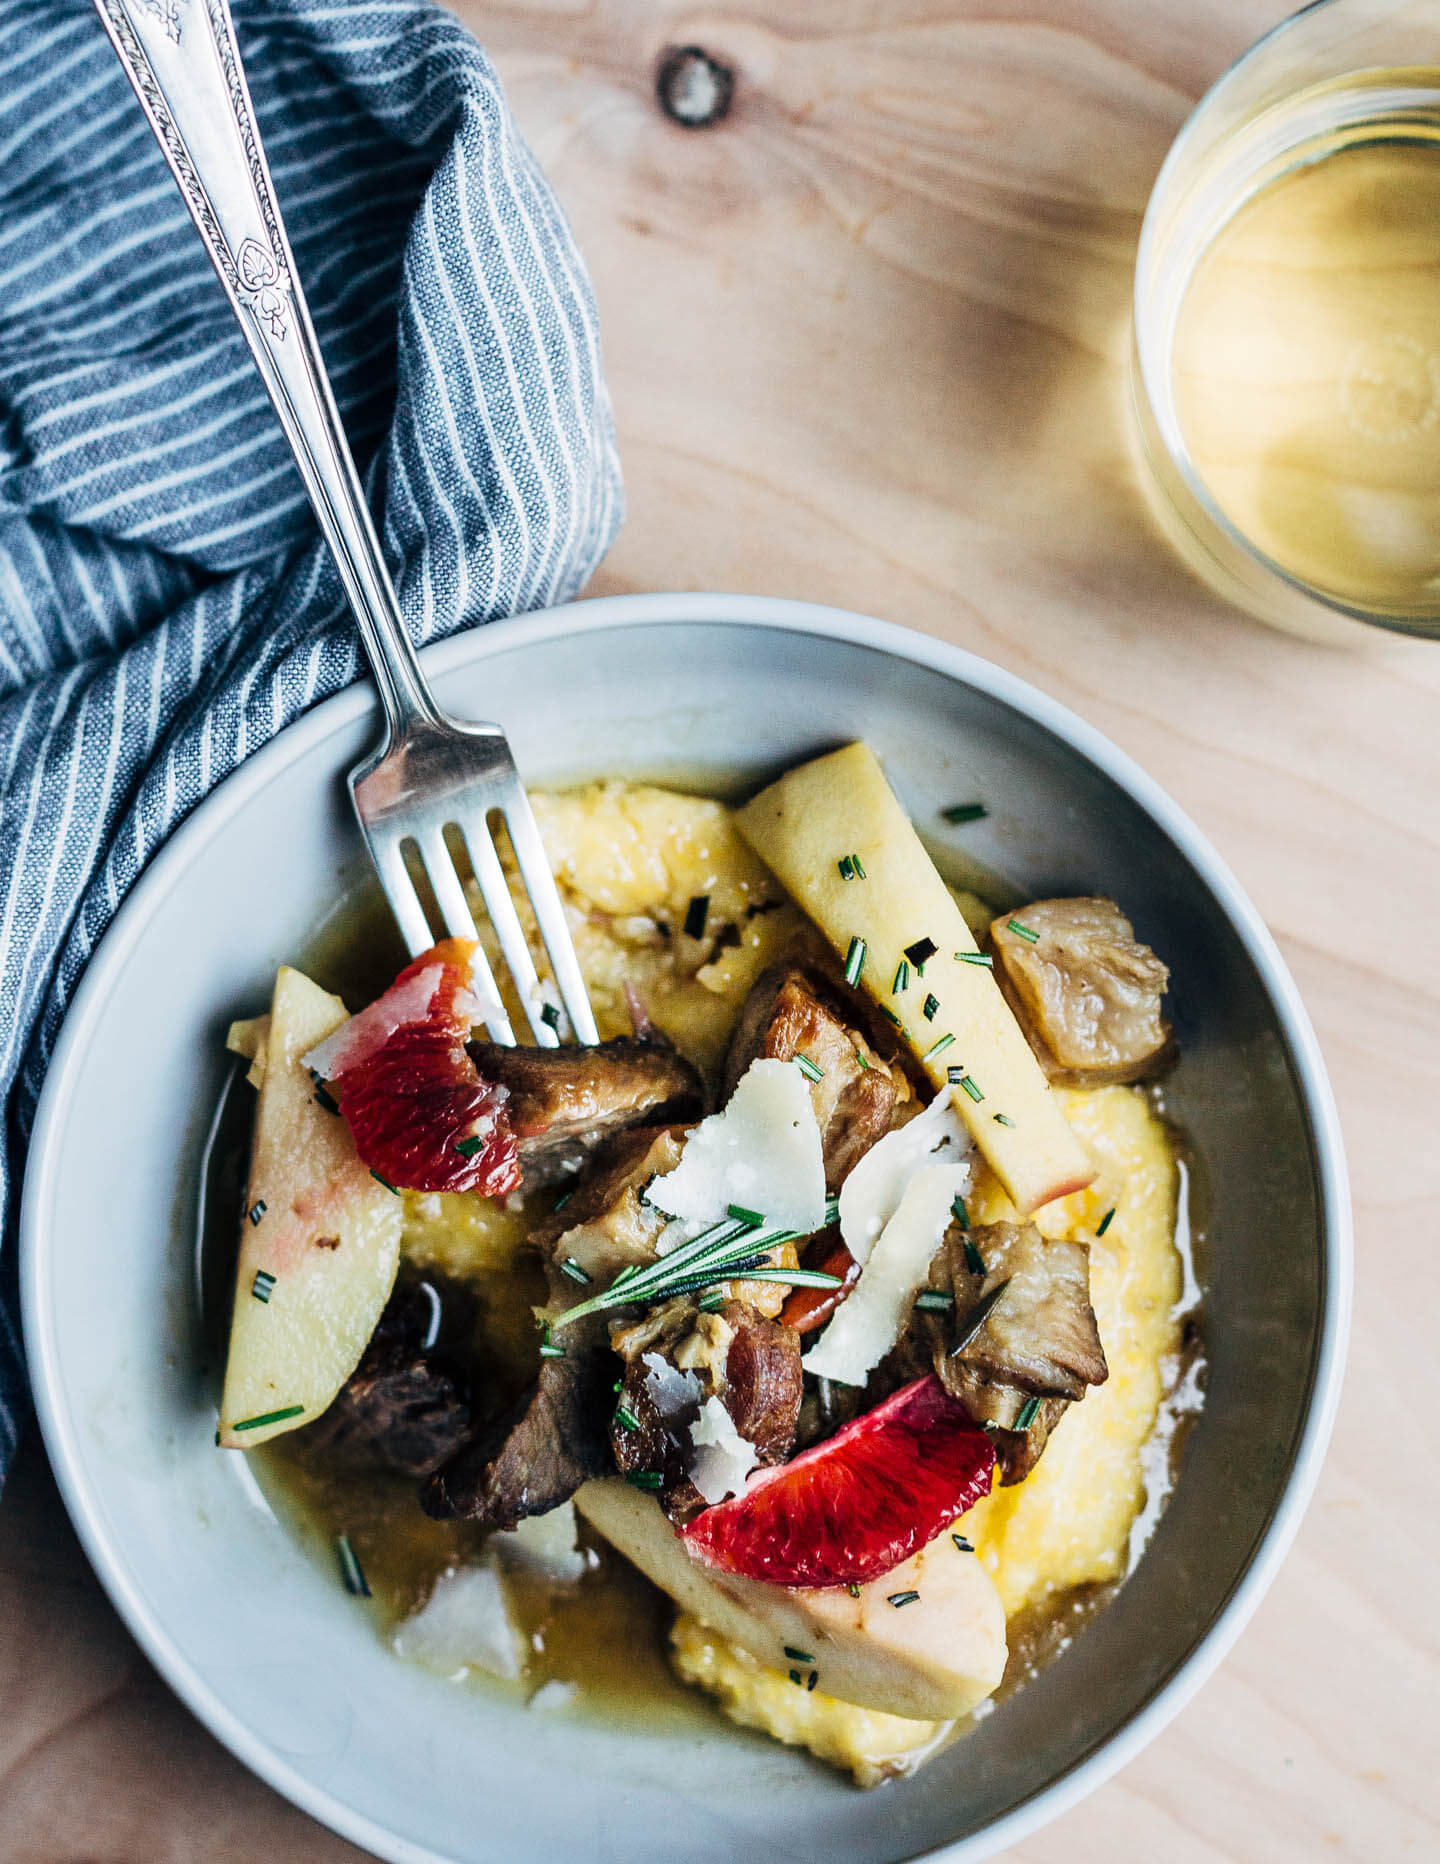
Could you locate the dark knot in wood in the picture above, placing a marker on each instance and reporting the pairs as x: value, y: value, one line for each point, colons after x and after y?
x: 693, y: 89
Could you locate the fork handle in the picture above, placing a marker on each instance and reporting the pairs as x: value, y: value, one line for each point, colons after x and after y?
x: 181, y: 58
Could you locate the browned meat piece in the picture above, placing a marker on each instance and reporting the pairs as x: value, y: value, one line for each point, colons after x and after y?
x: 751, y: 1363
x: 1038, y: 1340
x: 400, y: 1407
x: 603, y: 1225
x: 536, y: 1456
x: 763, y: 1381
x: 557, y: 1436
x: 565, y: 1101
x: 792, y: 1012
x: 1085, y: 991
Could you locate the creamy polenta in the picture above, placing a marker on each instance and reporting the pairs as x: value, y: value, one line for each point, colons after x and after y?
x: 630, y: 859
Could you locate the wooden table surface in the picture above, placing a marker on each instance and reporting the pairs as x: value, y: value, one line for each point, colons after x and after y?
x: 866, y: 346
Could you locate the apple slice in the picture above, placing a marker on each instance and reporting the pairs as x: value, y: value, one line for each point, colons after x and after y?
x: 926, y: 1641
x: 834, y: 834
x: 320, y: 1240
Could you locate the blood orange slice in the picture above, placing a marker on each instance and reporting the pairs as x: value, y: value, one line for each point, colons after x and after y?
x: 858, y: 1504
x: 420, y: 1115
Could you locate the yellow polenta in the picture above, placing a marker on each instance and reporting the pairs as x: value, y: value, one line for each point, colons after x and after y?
x: 630, y: 861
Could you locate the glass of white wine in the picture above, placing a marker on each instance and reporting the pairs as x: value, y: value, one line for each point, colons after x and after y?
x: 1286, y: 356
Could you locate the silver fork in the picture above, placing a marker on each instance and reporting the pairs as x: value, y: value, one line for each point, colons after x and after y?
x: 431, y: 772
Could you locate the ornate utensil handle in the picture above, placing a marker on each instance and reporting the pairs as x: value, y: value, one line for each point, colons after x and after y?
x: 181, y: 57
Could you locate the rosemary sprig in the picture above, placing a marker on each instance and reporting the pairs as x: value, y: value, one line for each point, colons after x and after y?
x: 735, y: 1249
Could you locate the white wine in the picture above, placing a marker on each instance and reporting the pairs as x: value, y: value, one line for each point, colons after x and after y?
x: 1305, y: 367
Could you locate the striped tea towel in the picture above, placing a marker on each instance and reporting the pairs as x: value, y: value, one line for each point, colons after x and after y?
x: 165, y: 605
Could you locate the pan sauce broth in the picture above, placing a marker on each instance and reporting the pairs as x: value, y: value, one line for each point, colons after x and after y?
x: 606, y: 1633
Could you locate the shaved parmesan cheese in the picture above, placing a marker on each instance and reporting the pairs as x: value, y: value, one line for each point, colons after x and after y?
x: 871, y: 1194
x: 463, y: 1626
x: 723, y: 1458
x: 545, y: 1544
x: 868, y: 1324
x: 762, y: 1152
x: 670, y: 1390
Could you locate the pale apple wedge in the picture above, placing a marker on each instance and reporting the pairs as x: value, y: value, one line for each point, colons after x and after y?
x: 931, y: 1658
x: 835, y: 835
x: 320, y: 1241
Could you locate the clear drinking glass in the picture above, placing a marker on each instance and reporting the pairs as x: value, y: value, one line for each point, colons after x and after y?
x: 1286, y: 344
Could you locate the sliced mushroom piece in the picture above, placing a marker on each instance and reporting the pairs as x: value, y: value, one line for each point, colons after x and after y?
x: 1036, y: 1346
x: 1085, y: 990
x: 536, y: 1456
x: 565, y: 1102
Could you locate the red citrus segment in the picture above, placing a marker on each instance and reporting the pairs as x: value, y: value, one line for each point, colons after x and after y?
x: 409, y: 1091
x: 852, y: 1508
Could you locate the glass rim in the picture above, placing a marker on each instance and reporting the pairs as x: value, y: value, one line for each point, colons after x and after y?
x: 1146, y: 366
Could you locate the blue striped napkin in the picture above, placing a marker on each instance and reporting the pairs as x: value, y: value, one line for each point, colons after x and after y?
x: 165, y: 606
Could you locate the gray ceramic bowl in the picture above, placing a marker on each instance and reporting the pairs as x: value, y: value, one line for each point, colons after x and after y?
x: 265, y: 1647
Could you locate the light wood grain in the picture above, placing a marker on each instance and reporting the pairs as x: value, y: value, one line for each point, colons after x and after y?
x: 866, y: 346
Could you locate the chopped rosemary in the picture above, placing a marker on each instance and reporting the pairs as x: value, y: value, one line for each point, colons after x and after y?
x: 269, y: 1417
x: 963, y: 1544
x: 323, y: 1098
x: 814, y: 1679
x: 850, y: 867
x: 959, y: 1212
x: 467, y: 1148
x: 736, y: 1248
x: 937, y: 1048
x: 808, y: 1068
x: 1024, y: 932
x: 967, y: 1086
x: 696, y: 913
x: 853, y: 1590
x: 975, y: 957
x: 977, y: 1317
x: 550, y: 1016
x: 1105, y: 1221
x: 933, y: 1301
x: 795, y: 1677
x: 932, y: 1004
x: 855, y: 961
x: 897, y: 1599
x: 548, y: 1348
x: 257, y: 1210
x: 974, y: 1261
x: 351, y: 1570
x: 385, y: 1181
x: 891, y: 1017
x: 626, y: 1418
x: 713, y: 1302
x: 1027, y: 1414
x: 860, y: 1057
x: 1003, y: 1119
x: 901, y: 980
x: 573, y: 1269
x: 920, y: 954
x: 561, y: 1202
x: 644, y: 1479
x: 959, y: 813
x: 955, y: 1075
x: 798, y: 1656
x: 263, y: 1286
